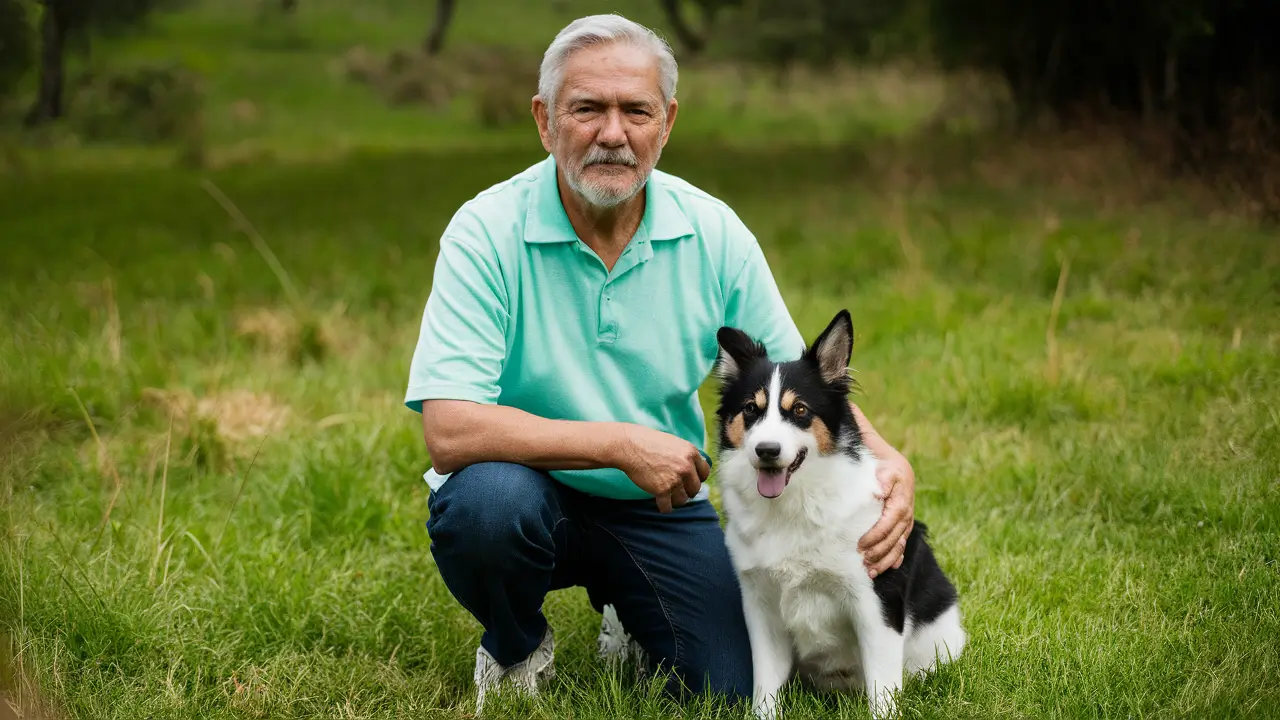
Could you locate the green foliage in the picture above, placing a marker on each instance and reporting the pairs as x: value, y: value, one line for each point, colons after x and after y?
x: 814, y: 32
x: 17, y: 44
x: 1203, y: 73
x: 107, y: 17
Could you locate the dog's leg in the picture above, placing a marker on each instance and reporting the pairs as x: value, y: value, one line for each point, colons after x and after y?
x: 935, y: 644
x: 882, y: 650
x: 770, y: 650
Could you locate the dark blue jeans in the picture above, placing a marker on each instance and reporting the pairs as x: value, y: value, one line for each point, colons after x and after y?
x: 505, y: 535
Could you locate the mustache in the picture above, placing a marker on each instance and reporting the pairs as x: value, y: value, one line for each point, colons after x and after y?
x: 599, y: 155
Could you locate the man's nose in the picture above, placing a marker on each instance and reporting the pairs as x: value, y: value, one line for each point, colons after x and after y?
x: 612, y: 134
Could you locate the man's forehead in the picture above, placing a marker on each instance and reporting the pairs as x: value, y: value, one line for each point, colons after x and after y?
x: 607, y: 95
x: 616, y: 73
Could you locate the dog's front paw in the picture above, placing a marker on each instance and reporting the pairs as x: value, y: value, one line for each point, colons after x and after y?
x: 884, y: 705
x: 766, y: 708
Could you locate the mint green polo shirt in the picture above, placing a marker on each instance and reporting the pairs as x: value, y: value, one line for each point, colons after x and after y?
x: 522, y: 313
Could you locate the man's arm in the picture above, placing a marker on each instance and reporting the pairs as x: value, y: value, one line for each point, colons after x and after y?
x: 883, y: 545
x: 459, y: 433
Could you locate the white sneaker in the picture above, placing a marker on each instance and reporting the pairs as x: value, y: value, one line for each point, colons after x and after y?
x: 615, y: 644
x: 525, y: 675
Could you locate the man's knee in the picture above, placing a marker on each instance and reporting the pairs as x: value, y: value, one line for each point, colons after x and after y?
x: 486, y: 511
x: 722, y: 669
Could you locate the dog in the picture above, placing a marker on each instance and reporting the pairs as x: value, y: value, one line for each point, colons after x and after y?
x: 799, y: 489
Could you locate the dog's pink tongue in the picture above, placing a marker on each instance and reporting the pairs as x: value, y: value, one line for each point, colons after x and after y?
x: 771, y: 482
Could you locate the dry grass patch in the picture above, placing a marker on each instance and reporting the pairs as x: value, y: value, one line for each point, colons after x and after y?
x: 282, y: 333
x: 215, y: 430
x: 237, y: 415
x: 271, y: 329
x: 20, y: 698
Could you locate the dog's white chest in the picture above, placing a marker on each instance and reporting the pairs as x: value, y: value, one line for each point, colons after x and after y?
x: 817, y: 606
x: 800, y: 555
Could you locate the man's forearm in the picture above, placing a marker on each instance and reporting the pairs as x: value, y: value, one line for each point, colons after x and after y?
x: 459, y: 433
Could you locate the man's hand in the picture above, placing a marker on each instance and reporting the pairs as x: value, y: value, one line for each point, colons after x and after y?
x: 883, y: 545
x: 663, y: 465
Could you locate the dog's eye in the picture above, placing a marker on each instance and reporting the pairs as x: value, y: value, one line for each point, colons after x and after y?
x: 800, y: 411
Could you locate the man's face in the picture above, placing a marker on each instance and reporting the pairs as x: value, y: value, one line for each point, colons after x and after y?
x: 610, y: 123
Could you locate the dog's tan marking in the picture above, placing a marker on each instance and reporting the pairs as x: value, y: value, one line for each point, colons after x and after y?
x: 822, y: 434
x: 788, y: 399
x: 736, y: 429
x: 762, y: 399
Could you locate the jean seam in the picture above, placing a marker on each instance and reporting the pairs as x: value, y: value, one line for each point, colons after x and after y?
x: 436, y: 560
x: 679, y: 658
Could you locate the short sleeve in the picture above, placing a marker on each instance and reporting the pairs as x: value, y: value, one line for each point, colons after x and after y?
x: 754, y: 305
x: 462, y: 341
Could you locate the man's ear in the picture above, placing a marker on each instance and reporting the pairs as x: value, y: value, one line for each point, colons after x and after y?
x: 833, y: 349
x: 542, y: 116
x: 737, y: 351
x: 672, y: 108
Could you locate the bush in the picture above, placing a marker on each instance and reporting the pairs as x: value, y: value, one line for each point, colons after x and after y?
x: 402, y: 77
x: 503, y: 82
x: 500, y: 81
x: 148, y: 104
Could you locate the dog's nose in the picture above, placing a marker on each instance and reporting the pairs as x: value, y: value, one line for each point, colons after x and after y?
x: 768, y: 450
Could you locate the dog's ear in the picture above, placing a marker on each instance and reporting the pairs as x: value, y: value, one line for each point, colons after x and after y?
x: 737, y: 350
x: 833, y: 349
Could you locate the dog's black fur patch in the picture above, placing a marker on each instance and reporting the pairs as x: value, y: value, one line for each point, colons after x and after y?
x: 919, y: 589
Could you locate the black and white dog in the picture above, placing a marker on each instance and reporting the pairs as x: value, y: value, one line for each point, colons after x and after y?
x: 799, y: 489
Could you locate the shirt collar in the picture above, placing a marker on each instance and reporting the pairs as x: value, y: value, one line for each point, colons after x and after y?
x: 547, y: 222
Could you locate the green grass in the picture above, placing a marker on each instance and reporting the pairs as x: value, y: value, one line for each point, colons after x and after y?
x: 1108, y: 503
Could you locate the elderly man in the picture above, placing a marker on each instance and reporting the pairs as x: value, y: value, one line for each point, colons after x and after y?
x: 571, y: 320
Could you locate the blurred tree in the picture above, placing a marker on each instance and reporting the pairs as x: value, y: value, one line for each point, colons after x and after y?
x: 17, y: 44
x: 689, y: 38
x: 1199, y: 68
x: 435, y: 39
x: 782, y: 33
x: 65, y: 23
x: 1208, y: 71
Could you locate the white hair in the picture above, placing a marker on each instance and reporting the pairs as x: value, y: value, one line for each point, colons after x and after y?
x: 593, y: 29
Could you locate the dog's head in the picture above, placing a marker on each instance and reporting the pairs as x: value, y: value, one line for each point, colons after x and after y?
x: 778, y: 415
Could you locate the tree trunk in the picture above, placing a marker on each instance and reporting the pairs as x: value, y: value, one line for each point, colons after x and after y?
x: 688, y: 38
x: 435, y: 39
x: 53, y: 39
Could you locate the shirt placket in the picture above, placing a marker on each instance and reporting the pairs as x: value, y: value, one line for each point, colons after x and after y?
x: 636, y: 254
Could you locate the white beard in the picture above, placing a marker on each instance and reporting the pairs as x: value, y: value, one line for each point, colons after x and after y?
x: 606, y: 196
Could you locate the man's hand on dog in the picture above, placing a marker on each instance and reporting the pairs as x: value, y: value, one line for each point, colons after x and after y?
x: 663, y: 465
x: 884, y: 544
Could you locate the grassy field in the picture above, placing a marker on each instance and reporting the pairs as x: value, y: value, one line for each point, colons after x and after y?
x: 212, y: 494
